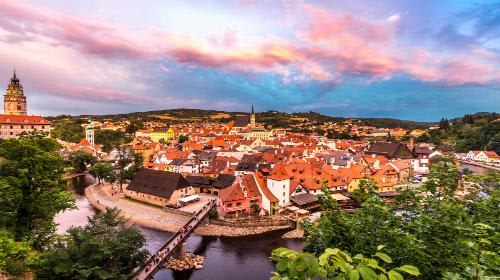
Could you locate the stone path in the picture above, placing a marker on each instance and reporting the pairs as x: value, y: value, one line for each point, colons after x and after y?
x: 100, y: 196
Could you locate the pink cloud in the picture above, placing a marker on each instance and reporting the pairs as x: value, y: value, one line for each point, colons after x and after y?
x: 91, y: 37
x: 97, y: 94
x: 329, y: 45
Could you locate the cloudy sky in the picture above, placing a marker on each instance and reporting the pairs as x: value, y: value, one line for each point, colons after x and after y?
x: 421, y: 59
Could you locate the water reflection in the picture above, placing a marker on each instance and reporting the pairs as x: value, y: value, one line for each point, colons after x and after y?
x: 225, y: 258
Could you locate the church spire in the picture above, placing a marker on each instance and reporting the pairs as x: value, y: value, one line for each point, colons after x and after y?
x: 252, y: 110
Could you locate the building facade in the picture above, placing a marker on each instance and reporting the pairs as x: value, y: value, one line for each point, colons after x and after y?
x: 14, y: 102
x: 15, y: 119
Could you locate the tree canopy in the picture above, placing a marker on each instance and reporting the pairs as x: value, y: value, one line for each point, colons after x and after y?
x: 430, y: 226
x: 105, y: 248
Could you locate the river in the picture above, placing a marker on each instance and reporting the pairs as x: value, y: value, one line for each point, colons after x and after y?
x: 474, y: 168
x: 225, y: 258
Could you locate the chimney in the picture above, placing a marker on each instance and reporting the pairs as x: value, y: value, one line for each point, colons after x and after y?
x: 412, y: 144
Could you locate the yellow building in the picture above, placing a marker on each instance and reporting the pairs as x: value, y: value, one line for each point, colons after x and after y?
x: 162, y: 133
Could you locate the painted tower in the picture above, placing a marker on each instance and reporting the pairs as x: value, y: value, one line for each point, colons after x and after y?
x: 14, y: 100
x: 89, y: 133
x: 252, y: 118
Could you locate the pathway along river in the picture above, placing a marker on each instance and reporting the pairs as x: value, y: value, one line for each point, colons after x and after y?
x: 225, y: 258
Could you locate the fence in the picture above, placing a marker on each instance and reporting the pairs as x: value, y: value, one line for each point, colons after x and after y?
x: 253, y: 222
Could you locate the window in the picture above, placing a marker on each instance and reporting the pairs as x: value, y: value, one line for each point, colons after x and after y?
x: 22, y: 126
x: 283, y: 194
x: 11, y: 127
x: 229, y: 204
x: 238, y: 203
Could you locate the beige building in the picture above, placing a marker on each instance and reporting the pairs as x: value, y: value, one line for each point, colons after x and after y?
x: 158, y: 187
x: 15, y: 119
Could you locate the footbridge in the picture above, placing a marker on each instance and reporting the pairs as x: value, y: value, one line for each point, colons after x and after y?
x: 156, y: 261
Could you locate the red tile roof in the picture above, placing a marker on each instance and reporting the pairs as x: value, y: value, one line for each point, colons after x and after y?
x: 16, y: 119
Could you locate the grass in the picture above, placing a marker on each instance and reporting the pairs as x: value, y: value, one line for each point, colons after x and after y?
x: 143, y: 202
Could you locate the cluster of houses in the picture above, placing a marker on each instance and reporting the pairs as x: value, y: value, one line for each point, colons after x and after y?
x: 480, y: 156
x: 252, y: 169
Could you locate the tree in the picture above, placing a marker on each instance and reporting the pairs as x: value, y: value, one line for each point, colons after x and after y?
x: 365, y: 190
x: 106, y: 248
x: 80, y: 160
x: 135, y: 124
x: 33, y: 189
x: 336, y: 264
x: 427, y: 226
x: 183, y: 138
x: 12, y: 253
x: 444, y: 124
x: 68, y: 130
x: 110, y: 138
x: 101, y: 171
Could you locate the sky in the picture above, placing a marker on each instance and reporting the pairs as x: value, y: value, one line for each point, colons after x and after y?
x: 418, y: 60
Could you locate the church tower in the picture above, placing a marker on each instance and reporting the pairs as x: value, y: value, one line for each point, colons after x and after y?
x: 89, y: 133
x: 252, y: 118
x: 14, y: 100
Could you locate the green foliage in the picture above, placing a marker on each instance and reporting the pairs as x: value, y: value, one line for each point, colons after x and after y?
x: 213, y: 213
x: 365, y: 190
x: 183, y: 138
x: 102, y: 171
x: 80, y: 160
x: 106, y: 248
x: 67, y: 130
x: 12, y: 253
x: 336, y: 264
x: 110, y: 138
x: 33, y: 189
x: 135, y: 124
x: 427, y: 226
x: 472, y: 132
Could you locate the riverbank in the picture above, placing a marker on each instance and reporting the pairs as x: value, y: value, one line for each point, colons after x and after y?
x: 102, y: 196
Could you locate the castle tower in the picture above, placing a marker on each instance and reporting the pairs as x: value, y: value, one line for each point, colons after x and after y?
x: 89, y: 133
x: 252, y: 118
x: 14, y: 100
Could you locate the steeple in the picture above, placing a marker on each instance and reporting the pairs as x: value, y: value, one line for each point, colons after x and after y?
x: 252, y: 105
x: 252, y: 118
x: 14, y: 99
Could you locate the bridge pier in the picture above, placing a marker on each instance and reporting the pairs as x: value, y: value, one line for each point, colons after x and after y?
x: 180, y: 251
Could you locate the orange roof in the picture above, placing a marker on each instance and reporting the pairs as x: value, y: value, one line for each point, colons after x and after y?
x: 261, y: 182
x: 84, y: 142
x: 17, y: 119
x: 279, y: 173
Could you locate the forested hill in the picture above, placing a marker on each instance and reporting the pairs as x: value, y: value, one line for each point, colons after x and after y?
x: 270, y: 118
x: 480, y: 131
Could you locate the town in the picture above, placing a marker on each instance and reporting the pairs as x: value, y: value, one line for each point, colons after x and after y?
x: 245, y: 176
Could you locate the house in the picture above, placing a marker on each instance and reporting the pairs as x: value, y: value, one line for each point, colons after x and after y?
x: 238, y: 198
x: 486, y: 156
x: 158, y: 187
x: 471, y: 155
x: 421, y: 162
x: 390, y: 150
x: 306, y: 201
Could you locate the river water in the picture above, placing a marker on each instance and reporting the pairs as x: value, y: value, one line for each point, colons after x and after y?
x: 245, y: 258
x: 474, y: 168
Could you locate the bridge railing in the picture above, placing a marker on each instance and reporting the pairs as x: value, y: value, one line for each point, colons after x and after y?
x: 155, y: 261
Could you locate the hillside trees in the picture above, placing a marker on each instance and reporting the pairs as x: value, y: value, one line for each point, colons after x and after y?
x: 437, y: 232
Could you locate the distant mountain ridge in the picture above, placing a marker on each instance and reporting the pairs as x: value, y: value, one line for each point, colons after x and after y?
x: 271, y: 117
